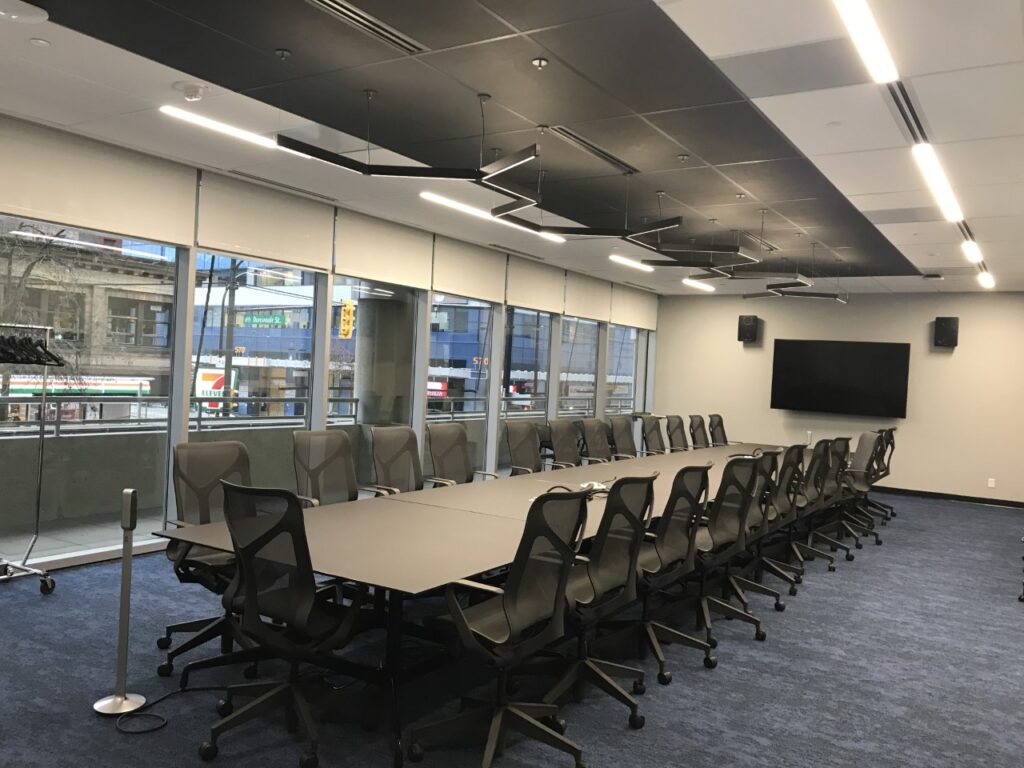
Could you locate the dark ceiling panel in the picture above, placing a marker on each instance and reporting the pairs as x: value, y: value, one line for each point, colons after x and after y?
x: 675, y: 72
x: 776, y: 180
x: 549, y: 96
x: 725, y: 133
x: 438, y: 24
x: 635, y: 142
x: 694, y: 186
x: 534, y: 14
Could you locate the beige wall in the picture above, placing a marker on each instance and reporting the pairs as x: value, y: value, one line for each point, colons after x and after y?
x: 965, y: 407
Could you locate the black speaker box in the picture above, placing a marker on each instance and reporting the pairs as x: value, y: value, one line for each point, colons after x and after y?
x: 748, y: 328
x: 947, y: 331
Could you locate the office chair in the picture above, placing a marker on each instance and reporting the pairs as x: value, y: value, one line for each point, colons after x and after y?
x: 698, y: 433
x: 523, y: 447
x: 449, y: 452
x: 809, y: 501
x: 654, y: 442
x: 717, y: 426
x: 396, y: 460
x: 858, y: 479
x: 565, y: 441
x: 781, y: 514
x: 676, y: 433
x: 668, y: 556
x: 516, y: 622
x: 863, y: 480
x: 595, y: 435
x: 282, y: 615
x: 198, y: 499
x: 325, y: 469
x: 884, y: 466
x: 622, y: 436
x: 602, y: 585
x: 831, y: 500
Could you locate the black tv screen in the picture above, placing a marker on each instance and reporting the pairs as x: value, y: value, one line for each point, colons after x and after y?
x: 851, y: 377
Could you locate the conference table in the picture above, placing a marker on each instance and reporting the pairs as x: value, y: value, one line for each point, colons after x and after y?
x: 413, y: 543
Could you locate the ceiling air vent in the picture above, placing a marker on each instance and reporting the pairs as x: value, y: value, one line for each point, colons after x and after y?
x: 575, y: 139
x: 368, y: 24
x: 514, y: 252
x: 287, y: 187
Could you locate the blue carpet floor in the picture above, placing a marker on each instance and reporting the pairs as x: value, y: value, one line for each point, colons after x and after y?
x: 908, y: 657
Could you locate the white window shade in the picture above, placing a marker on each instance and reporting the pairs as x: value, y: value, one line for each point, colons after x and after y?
x: 243, y: 218
x: 637, y: 309
x: 587, y: 297
x: 535, y: 286
x: 374, y: 249
x: 56, y: 176
x: 469, y: 270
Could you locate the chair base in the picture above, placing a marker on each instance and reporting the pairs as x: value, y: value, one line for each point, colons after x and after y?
x: 601, y: 674
x: 204, y: 631
x: 656, y: 634
x: 723, y: 608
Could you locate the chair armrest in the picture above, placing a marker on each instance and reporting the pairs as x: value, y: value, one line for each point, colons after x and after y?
x: 480, y: 585
x: 485, y: 474
x: 524, y: 470
x: 594, y: 460
x: 308, y: 501
x: 621, y: 456
x: 650, y: 536
x: 439, y: 481
x: 582, y: 559
x: 376, y: 490
x: 562, y: 464
x: 677, y: 450
x: 647, y: 453
x: 386, y: 490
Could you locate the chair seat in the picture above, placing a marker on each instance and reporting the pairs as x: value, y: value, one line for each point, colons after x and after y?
x: 488, y: 620
x: 703, y: 540
x: 211, y: 558
x: 649, y: 560
x: 579, y: 587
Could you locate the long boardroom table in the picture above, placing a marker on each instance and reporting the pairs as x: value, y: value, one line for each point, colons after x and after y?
x: 413, y: 543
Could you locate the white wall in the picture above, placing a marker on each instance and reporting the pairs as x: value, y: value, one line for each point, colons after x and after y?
x: 965, y: 407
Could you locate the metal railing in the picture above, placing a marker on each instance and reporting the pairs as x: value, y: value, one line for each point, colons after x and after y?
x: 524, y: 407
x: 75, y: 415
x: 472, y: 409
x: 578, y: 406
x: 245, y: 411
x: 342, y: 411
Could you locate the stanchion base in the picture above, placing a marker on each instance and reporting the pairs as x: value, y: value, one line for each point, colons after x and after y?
x: 119, y: 705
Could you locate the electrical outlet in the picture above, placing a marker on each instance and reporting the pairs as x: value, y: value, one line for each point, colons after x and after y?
x: 991, y: 482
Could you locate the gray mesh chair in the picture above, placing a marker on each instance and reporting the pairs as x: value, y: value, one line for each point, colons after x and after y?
x: 622, y: 436
x: 523, y: 447
x: 830, y: 517
x: 513, y: 624
x: 859, y: 477
x: 565, y: 441
x: 198, y: 499
x: 781, y: 514
x: 449, y: 452
x: 676, y: 433
x: 883, y: 465
x: 668, y: 557
x: 809, y: 501
x: 396, y: 460
x: 654, y: 441
x: 717, y: 426
x: 595, y: 435
x: 604, y: 584
x: 698, y: 432
x: 282, y: 614
x: 325, y: 469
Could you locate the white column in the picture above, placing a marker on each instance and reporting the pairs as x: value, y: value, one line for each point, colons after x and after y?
x: 421, y: 365
x: 601, y: 374
x: 319, y: 368
x: 495, y: 373
x: 554, y: 366
x: 179, y: 399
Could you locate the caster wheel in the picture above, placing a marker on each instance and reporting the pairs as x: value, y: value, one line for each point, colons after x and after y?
x: 666, y: 677
x: 163, y: 643
x: 859, y: 545
x: 878, y: 542
x: 225, y: 707
x: 636, y: 721
x: 780, y: 607
x: 831, y: 567
x: 556, y: 724
x: 799, y: 579
x: 46, y: 585
x: 710, y: 662
x: 792, y: 590
x: 415, y: 752
x: 165, y: 670
x: 207, y: 751
x: 713, y: 642
x: 309, y: 761
x: 760, y: 635
x: 849, y: 557
x: 251, y: 672
x: 1021, y: 598
x: 639, y: 688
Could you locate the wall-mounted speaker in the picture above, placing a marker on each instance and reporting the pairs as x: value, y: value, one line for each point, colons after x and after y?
x: 947, y: 331
x: 748, y: 328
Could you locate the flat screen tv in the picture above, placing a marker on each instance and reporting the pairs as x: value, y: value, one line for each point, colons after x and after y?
x: 851, y: 377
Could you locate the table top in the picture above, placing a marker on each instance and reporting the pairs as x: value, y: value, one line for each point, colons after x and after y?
x: 418, y: 541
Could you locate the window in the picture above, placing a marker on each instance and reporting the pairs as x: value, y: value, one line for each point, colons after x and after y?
x: 621, y: 383
x: 579, y: 368
x: 138, y: 322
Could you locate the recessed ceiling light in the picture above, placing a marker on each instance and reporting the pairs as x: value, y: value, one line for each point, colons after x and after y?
x: 21, y: 13
x: 282, y: 53
x: 39, y: 42
x: 540, y: 62
x: 628, y: 262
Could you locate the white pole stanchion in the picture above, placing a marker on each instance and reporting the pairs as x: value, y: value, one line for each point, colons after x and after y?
x: 121, y: 701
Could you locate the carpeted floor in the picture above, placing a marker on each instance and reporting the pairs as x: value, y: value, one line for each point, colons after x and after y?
x: 906, y: 657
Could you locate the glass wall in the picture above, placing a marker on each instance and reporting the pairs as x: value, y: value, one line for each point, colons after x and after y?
x: 109, y: 300
x: 460, y: 364
x: 251, y: 355
x: 621, y: 382
x: 576, y: 390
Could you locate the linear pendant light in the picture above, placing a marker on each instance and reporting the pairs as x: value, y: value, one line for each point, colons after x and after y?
x: 972, y: 251
x: 985, y: 280
x: 632, y: 263
x: 218, y: 126
x: 482, y: 214
x: 931, y: 169
x: 700, y: 285
x: 867, y: 38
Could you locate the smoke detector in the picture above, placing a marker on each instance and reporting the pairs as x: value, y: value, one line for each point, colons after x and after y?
x: 191, y: 91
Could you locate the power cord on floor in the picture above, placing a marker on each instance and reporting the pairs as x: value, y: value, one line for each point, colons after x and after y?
x: 156, y: 721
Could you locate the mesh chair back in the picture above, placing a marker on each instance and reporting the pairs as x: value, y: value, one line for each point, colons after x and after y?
x: 595, y: 435
x: 839, y: 453
x: 787, y: 486
x: 622, y: 435
x: 677, y: 527
x: 864, y: 458
x: 889, y: 436
x: 615, y: 548
x: 449, y: 451
x: 198, y: 470
x: 396, y: 458
x: 727, y: 519
x: 523, y: 446
x: 565, y: 441
x: 653, y: 440
x: 676, y: 432
x: 817, y: 468
x: 698, y: 432
x: 324, y: 467
x: 717, y: 426
x: 535, y: 588
x: 764, y: 486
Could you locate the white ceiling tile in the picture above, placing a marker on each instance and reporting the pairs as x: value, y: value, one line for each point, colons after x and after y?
x: 934, y: 254
x: 996, y: 228
x: 728, y: 27
x: 986, y: 161
x: 921, y: 232
x: 1005, y: 256
x: 972, y: 103
x: 847, y: 119
x: 992, y: 200
x: 881, y: 201
x: 862, y: 173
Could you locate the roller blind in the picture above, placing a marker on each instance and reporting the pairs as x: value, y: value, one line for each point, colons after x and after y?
x: 375, y: 249
x: 638, y: 309
x: 587, y: 297
x: 469, y: 270
x: 535, y: 286
x: 239, y: 217
x: 56, y: 176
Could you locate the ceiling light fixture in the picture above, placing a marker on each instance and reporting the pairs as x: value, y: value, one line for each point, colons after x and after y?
x: 700, y: 285
x: 867, y: 38
x: 219, y: 127
x: 931, y: 169
x: 482, y: 214
x: 21, y: 13
x: 985, y: 280
x: 972, y: 251
x: 628, y: 262
x: 40, y: 42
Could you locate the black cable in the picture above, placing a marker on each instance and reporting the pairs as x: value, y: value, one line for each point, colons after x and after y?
x: 161, y: 721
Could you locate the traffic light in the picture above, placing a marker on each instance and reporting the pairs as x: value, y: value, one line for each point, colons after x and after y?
x: 348, y: 319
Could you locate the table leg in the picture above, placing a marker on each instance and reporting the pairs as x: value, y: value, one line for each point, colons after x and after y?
x: 393, y: 667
